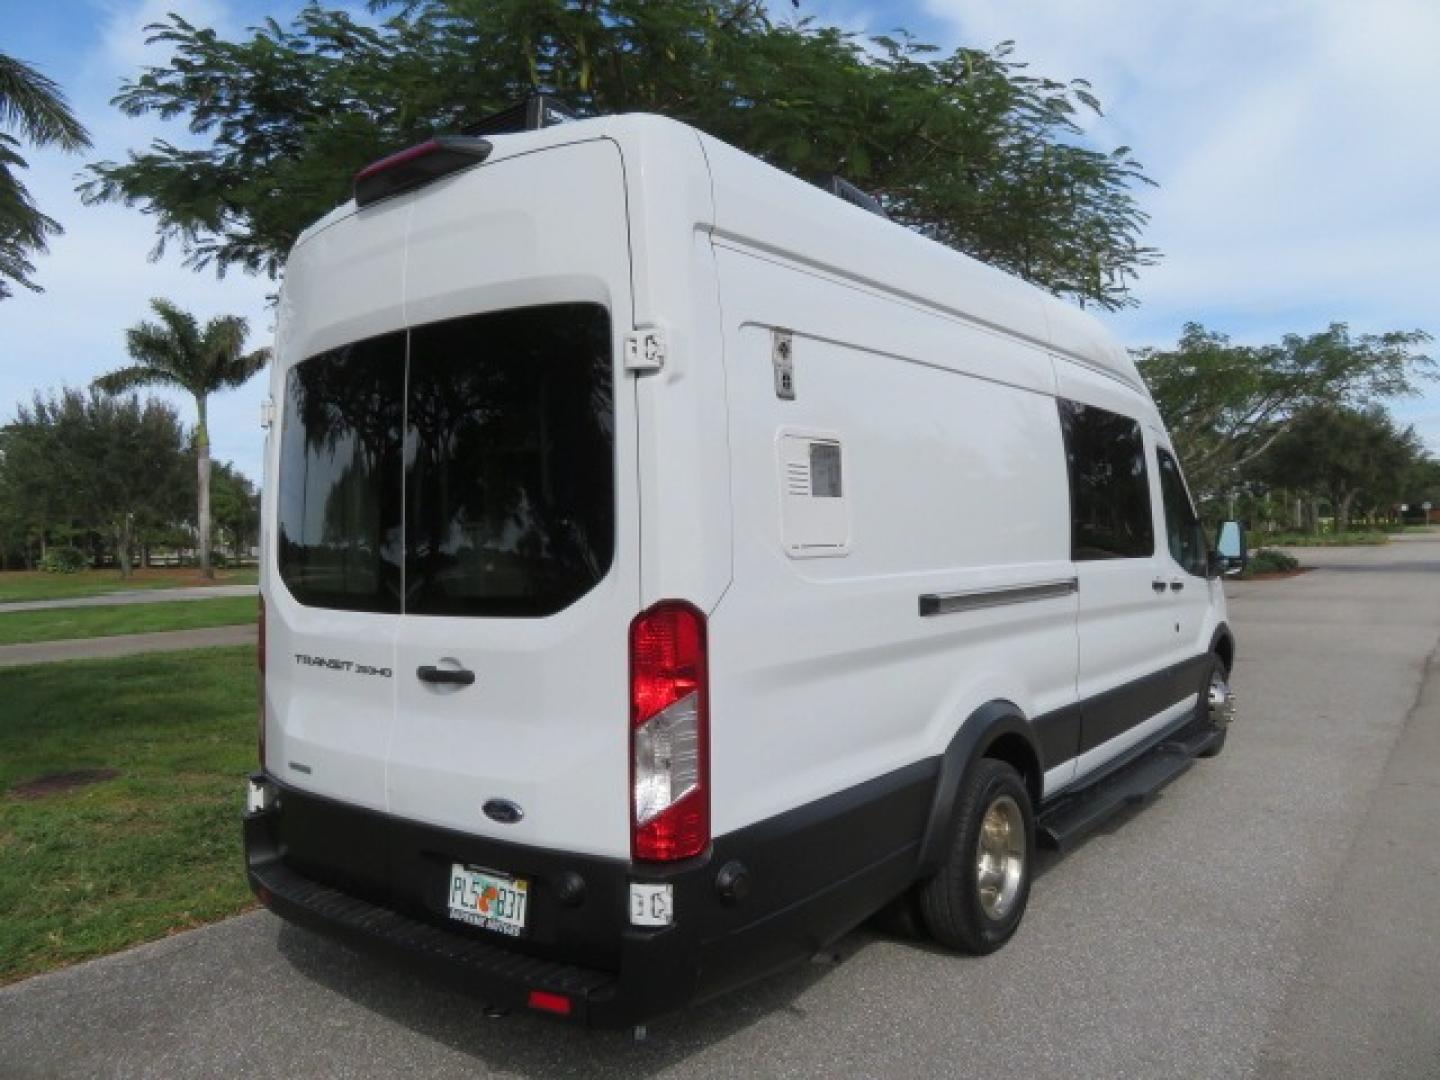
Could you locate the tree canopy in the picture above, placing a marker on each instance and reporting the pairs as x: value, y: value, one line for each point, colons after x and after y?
x: 969, y: 148
x: 1354, y: 458
x: 33, y: 105
x: 1226, y: 405
x: 177, y: 351
x: 75, y: 463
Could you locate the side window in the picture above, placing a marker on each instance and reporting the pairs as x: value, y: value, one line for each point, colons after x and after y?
x: 1182, y: 527
x: 1109, y: 487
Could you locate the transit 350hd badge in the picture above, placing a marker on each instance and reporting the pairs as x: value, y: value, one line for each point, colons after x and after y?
x: 354, y: 668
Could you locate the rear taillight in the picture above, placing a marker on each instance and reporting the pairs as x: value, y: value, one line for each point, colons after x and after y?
x: 669, y: 734
x: 260, y: 665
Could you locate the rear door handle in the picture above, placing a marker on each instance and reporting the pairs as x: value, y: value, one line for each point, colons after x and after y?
x: 1176, y: 585
x: 446, y: 676
x: 1158, y: 585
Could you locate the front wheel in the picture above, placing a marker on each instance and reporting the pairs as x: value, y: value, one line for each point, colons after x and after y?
x: 975, y: 902
x: 1217, y: 705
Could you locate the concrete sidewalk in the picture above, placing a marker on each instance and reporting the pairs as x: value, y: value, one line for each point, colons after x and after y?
x: 134, y: 596
x: 46, y: 652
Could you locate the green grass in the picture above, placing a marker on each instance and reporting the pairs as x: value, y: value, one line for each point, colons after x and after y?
x: 60, y: 624
x: 153, y: 851
x: 35, y: 585
x: 1352, y: 538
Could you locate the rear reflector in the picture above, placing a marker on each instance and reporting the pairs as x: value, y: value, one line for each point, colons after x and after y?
x: 551, y: 1003
x: 418, y: 166
x: 669, y: 734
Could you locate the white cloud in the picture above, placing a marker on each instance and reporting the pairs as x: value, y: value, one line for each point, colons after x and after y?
x: 124, y: 46
x: 1292, y: 142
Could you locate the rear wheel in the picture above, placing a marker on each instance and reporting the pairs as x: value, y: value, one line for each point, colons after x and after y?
x: 975, y: 902
x: 1216, y: 707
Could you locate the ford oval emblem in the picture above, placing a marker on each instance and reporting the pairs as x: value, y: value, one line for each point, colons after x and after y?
x: 504, y: 811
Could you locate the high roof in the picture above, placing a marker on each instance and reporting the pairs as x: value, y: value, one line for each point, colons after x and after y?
x: 768, y: 209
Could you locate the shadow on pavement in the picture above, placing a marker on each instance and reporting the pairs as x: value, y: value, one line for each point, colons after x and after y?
x: 531, y: 1045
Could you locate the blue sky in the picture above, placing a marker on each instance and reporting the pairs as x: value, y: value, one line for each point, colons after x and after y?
x: 1293, y: 142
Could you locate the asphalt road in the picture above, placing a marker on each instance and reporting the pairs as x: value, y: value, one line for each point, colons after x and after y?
x: 1273, y: 913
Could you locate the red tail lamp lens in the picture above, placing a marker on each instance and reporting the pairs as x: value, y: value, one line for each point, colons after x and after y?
x: 669, y: 733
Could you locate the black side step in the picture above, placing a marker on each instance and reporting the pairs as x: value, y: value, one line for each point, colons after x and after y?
x: 1075, y: 815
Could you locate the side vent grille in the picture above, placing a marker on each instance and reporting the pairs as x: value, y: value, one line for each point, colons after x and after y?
x: 797, y: 478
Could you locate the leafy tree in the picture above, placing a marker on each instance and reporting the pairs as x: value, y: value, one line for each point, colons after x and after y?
x: 92, y: 461
x: 968, y: 148
x: 176, y: 351
x: 1349, y: 456
x: 33, y: 105
x: 236, y: 507
x: 1227, y: 404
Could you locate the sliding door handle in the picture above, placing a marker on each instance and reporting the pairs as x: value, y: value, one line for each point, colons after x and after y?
x: 1176, y: 585
x: 1158, y: 585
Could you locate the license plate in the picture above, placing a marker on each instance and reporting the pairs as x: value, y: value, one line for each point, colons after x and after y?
x: 488, y: 900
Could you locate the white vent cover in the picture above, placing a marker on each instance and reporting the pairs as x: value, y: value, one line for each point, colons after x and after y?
x: 815, y: 510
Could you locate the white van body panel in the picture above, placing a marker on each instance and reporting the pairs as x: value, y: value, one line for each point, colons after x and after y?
x: 824, y: 663
x: 684, y: 473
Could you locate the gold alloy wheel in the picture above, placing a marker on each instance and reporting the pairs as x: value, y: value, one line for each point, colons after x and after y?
x: 1000, y: 857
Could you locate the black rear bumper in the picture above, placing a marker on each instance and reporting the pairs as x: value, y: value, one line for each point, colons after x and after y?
x: 380, y: 883
x: 502, y: 978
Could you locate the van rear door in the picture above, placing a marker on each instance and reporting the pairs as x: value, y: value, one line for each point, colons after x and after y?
x: 521, y: 565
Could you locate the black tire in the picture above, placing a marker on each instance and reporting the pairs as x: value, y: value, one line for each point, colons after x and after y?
x: 1202, y: 707
x: 951, y: 902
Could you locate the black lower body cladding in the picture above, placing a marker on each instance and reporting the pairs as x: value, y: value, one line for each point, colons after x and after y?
x: 806, y: 877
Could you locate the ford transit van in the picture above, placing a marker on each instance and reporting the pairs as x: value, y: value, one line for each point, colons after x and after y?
x: 667, y: 564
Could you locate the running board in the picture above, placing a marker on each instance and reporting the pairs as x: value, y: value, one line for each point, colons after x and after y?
x: 1075, y: 815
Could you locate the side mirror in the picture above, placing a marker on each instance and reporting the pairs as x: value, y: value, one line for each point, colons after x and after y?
x: 1232, y: 552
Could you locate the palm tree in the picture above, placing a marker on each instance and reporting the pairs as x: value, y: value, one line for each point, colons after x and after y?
x: 177, y: 352
x: 34, y: 105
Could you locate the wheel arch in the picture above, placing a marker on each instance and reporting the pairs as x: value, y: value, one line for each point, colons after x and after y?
x: 998, y: 729
x: 1222, y: 644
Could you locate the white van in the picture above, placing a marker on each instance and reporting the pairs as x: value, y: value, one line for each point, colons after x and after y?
x: 667, y: 564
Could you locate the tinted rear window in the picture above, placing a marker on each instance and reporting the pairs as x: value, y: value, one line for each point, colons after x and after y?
x: 340, y: 473
x: 500, y: 428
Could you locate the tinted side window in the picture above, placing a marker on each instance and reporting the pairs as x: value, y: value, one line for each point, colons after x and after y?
x: 1109, y: 487
x: 340, y: 514
x: 509, y: 462
x: 1183, y: 532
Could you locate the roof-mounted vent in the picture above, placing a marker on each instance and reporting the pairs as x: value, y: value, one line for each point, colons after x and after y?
x: 844, y: 189
x: 535, y: 112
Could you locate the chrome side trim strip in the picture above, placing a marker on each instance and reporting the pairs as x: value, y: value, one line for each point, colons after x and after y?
x: 975, y: 599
